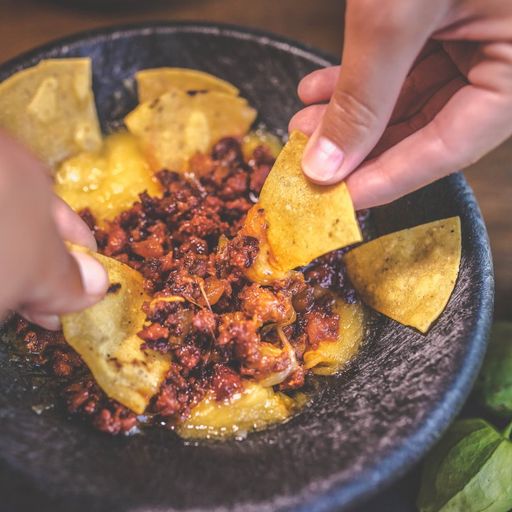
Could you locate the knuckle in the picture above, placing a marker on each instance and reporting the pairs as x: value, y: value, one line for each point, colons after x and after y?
x: 314, y: 79
x: 318, y: 83
x: 385, y: 17
x: 492, y: 68
x: 353, y: 111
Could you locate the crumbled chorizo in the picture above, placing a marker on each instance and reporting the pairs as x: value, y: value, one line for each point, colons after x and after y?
x: 265, y: 305
x: 225, y: 382
x: 321, y: 327
x: 154, y: 332
x: 218, y: 328
x: 204, y: 321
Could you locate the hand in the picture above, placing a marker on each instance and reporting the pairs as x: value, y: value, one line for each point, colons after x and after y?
x: 39, y: 277
x: 425, y: 89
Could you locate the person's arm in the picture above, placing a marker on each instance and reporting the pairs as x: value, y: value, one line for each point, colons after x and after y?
x: 425, y: 89
x: 39, y: 277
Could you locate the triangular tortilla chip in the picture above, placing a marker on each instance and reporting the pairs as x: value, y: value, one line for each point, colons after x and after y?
x: 152, y: 83
x: 105, y: 336
x: 50, y: 108
x: 304, y: 220
x: 176, y: 125
x: 409, y: 275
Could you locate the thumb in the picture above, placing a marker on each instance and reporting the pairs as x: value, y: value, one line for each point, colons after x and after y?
x: 66, y: 282
x: 378, y: 53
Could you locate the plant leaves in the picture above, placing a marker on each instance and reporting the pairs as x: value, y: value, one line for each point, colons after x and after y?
x: 493, y: 389
x: 470, y: 470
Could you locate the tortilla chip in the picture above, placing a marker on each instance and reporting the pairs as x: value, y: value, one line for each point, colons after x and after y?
x: 109, y: 181
x: 50, y: 108
x: 331, y: 356
x: 176, y: 125
x: 105, y: 336
x: 409, y: 275
x: 264, y: 269
x: 152, y: 83
x: 304, y: 220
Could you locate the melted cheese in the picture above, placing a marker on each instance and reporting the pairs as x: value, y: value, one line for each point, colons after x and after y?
x: 107, y: 182
x: 263, y: 270
x: 261, y: 137
x: 253, y: 409
x: 331, y: 356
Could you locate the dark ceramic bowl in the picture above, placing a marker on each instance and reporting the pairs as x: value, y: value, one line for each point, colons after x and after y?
x: 367, y: 426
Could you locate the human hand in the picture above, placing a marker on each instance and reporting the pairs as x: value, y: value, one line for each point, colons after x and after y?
x: 40, y: 278
x: 425, y: 90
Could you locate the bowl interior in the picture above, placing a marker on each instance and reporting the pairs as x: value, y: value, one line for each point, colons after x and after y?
x: 366, y: 427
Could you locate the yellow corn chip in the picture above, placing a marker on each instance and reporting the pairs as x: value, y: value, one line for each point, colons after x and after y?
x: 177, y: 125
x: 50, y: 108
x: 152, y: 83
x: 409, y: 275
x: 105, y: 336
x: 304, y: 220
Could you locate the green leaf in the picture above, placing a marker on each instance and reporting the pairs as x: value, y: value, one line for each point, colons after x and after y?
x: 494, y: 385
x: 470, y: 470
x: 507, y: 433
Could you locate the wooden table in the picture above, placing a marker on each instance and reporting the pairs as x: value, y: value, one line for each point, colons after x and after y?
x: 27, y: 23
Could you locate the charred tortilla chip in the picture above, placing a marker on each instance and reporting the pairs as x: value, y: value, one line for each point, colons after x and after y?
x: 304, y: 220
x: 409, y: 275
x: 152, y: 83
x: 50, y: 108
x: 177, y: 125
x: 105, y: 336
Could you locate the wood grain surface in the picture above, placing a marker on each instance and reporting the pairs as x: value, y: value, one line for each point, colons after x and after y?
x: 28, y: 23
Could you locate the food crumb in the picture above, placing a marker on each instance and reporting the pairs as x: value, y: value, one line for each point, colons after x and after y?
x: 114, y: 288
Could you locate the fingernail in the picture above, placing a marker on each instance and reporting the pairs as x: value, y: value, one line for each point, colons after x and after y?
x: 50, y: 322
x: 322, y: 159
x: 94, y: 276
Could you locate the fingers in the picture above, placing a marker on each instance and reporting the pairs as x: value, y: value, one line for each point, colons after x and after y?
x: 319, y: 85
x: 49, y: 322
x: 430, y: 47
x: 69, y: 282
x: 456, y: 137
x: 432, y: 72
x: 426, y: 77
x: 307, y: 119
x: 461, y: 54
x: 380, y: 47
x: 397, y: 132
x: 70, y: 226
x: 78, y: 282
x: 39, y: 276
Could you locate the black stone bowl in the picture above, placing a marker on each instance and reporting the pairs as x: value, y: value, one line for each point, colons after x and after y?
x: 367, y: 426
